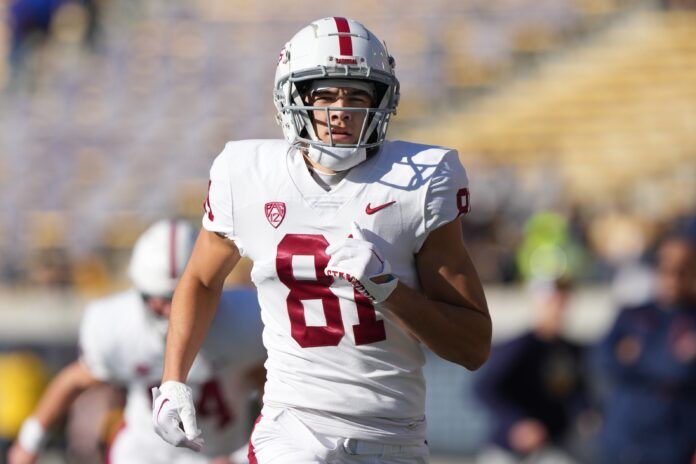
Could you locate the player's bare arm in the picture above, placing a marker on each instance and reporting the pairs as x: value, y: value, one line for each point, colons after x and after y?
x: 59, y: 395
x: 195, y: 301
x: 450, y: 316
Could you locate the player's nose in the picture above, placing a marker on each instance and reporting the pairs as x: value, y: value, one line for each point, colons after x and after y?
x: 340, y: 114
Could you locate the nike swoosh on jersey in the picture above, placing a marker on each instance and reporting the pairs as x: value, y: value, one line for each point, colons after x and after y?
x: 370, y: 210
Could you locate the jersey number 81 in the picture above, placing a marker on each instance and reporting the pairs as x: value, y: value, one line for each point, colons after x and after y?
x: 368, y: 330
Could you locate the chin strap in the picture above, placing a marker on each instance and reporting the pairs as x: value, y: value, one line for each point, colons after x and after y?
x: 336, y: 159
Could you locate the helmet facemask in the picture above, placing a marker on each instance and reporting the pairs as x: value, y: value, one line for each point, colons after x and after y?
x: 374, y: 128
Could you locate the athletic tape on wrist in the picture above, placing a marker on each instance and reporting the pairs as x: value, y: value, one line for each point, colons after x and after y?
x: 32, y: 435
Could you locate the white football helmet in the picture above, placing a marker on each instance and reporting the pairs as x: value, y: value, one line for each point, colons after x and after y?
x: 160, y: 255
x: 334, y: 48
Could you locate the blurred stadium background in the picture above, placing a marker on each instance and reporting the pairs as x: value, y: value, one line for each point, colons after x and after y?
x: 575, y: 118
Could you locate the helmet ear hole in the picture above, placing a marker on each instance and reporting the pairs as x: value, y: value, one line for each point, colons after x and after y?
x: 380, y: 90
x: 303, y: 90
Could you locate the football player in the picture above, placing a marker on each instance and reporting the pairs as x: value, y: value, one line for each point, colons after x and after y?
x: 358, y: 259
x: 122, y: 340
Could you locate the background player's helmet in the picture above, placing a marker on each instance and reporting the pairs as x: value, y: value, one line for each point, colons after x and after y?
x: 160, y: 255
x: 334, y: 48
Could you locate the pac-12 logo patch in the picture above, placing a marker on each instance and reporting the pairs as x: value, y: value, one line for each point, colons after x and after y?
x: 275, y: 212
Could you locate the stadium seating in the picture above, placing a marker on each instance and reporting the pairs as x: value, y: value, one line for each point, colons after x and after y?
x: 96, y: 144
x: 612, y: 117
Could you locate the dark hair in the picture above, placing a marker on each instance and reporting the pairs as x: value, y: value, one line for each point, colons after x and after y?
x: 677, y: 235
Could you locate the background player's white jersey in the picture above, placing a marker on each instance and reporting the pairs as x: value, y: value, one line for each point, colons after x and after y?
x: 329, y: 348
x: 119, y: 344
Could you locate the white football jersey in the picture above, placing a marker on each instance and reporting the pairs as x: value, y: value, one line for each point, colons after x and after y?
x: 119, y: 344
x: 329, y: 348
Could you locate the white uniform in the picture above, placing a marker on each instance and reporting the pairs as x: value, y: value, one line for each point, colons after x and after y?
x: 120, y: 344
x: 333, y: 357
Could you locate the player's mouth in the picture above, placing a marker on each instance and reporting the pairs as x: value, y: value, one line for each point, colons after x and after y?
x: 340, y: 135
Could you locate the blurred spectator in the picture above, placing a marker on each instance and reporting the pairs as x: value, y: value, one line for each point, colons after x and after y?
x: 649, y: 358
x: 534, y: 386
x: 32, y: 22
x: 548, y: 250
x: 29, y: 19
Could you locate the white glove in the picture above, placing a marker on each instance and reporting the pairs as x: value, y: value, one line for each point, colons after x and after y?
x: 172, y: 404
x: 358, y: 261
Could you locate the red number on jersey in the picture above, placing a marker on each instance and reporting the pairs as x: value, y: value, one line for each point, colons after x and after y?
x: 206, y: 204
x: 315, y: 245
x: 463, y: 201
x: 368, y: 330
x: 211, y: 403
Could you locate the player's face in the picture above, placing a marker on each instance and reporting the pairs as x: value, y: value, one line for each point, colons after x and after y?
x: 160, y: 305
x: 345, y: 126
x: 676, y: 272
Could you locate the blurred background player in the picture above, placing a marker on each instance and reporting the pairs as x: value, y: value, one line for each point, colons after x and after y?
x: 649, y: 359
x: 122, y: 343
x: 535, y: 386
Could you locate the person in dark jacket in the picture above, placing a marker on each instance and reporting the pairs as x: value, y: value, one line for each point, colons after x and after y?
x: 534, y: 387
x: 649, y: 360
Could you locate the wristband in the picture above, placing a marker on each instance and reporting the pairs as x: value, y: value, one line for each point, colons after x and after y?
x: 32, y: 435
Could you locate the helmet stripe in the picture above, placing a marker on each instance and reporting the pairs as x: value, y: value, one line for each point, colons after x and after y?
x: 172, y: 250
x: 345, y: 41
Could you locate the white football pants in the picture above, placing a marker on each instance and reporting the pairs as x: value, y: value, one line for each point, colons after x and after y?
x: 285, y: 439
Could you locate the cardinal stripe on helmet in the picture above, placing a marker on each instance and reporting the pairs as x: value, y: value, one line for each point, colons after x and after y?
x: 345, y: 41
x: 172, y: 250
